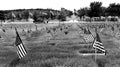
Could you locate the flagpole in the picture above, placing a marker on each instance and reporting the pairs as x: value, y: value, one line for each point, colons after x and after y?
x: 95, y: 48
x: 95, y: 51
x: 95, y: 55
x: 1, y: 23
x: 59, y: 24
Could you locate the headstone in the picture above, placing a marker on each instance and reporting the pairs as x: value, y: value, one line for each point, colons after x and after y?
x: 3, y: 30
x: 66, y: 32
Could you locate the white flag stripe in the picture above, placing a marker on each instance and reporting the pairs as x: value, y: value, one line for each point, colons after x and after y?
x: 19, y: 51
x: 13, y: 15
x: 98, y: 45
x: 98, y: 48
x: 98, y: 42
x: 20, y: 54
x: 23, y: 48
x: 101, y: 29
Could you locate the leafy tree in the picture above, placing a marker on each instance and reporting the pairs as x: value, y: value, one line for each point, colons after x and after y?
x: 37, y: 17
x: 95, y: 9
x: 103, y: 11
x: 83, y: 12
x: 113, y: 9
x: 26, y: 15
x: 19, y: 16
x: 62, y: 16
x: 64, y: 13
x: 2, y: 16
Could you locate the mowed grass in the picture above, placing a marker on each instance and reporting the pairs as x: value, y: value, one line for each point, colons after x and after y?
x: 61, y: 51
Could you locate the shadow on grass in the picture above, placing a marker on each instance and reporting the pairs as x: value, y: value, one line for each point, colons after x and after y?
x: 14, y: 62
x: 101, y: 62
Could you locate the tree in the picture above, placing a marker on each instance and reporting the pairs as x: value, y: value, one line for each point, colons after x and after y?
x: 95, y: 9
x: 103, y: 11
x: 62, y: 16
x: 113, y: 9
x: 37, y: 17
x: 64, y: 13
x: 19, y: 16
x: 83, y: 12
x: 26, y: 15
x: 2, y: 16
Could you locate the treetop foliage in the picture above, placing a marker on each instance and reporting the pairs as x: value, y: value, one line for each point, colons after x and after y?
x: 96, y: 10
x: 38, y: 15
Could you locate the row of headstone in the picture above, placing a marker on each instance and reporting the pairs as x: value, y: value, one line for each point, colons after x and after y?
x: 112, y: 29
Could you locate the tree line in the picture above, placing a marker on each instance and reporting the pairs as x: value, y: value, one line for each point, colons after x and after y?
x: 44, y: 15
x: 97, y: 10
x: 38, y: 15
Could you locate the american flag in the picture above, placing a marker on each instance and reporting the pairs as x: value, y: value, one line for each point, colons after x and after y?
x: 21, y: 51
x: 85, y: 31
x: 13, y: 15
x: 51, y: 12
x: 102, y: 29
x: 98, y: 44
x: 88, y: 37
x: 30, y: 14
x: 112, y: 28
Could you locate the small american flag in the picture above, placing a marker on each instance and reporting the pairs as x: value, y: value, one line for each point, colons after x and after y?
x: 98, y: 44
x: 85, y: 31
x: 21, y: 51
x: 30, y: 14
x: 112, y: 28
x: 88, y: 37
x: 13, y: 15
x: 52, y: 12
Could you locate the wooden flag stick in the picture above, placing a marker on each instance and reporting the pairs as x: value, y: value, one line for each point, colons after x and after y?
x: 95, y: 54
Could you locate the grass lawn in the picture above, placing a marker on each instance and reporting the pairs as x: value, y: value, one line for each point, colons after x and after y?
x: 59, y: 50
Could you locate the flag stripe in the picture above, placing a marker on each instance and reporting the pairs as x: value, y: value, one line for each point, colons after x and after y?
x: 19, y: 53
x: 19, y: 49
x: 22, y: 50
x: 99, y: 48
x: 98, y: 43
x: 22, y: 46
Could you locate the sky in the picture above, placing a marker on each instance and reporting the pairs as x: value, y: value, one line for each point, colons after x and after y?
x: 54, y: 4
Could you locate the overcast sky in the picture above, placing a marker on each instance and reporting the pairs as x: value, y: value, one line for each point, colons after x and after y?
x: 54, y: 4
